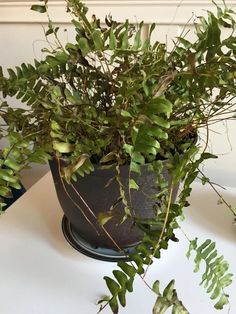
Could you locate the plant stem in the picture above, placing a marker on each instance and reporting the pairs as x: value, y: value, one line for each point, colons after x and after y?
x: 75, y: 203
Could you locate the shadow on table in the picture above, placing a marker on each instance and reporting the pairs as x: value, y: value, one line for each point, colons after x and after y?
x: 215, y: 218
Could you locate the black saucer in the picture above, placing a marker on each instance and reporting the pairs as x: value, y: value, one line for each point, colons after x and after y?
x: 86, y: 248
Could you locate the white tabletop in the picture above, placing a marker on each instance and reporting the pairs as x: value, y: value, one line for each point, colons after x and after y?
x: 41, y: 274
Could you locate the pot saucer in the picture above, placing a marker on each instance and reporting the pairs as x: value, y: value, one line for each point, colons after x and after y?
x: 86, y: 248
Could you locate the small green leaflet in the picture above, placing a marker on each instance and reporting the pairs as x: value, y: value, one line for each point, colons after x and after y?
x: 126, y: 114
x: 63, y: 147
x: 97, y: 39
x: 103, y: 218
x: 133, y: 184
x: 39, y: 8
x: 112, y: 40
x: 84, y: 46
x: 160, y: 105
x: 156, y: 287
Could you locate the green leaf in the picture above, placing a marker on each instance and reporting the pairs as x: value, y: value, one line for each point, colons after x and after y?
x: 134, y: 167
x: 137, y: 40
x: 133, y: 184
x: 49, y: 32
x: 129, y: 270
x: 152, y: 27
x: 145, y: 143
x: 5, y: 191
x: 224, y: 299
x: 126, y: 114
x: 112, y: 285
x: 159, y: 133
x: 10, y: 163
x: 114, y: 305
x: 79, y: 162
x: 120, y: 277
x: 146, y: 149
x: 12, y: 74
x: 138, y: 158
x: 63, y: 147
x: 52, y: 61
x: 103, y: 218
x: 112, y: 156
x: 112, y: 40
x: 216, y: 293
x: 84, y: 46
x: 156, y: 287
x: 15, y: 185
x: 121, y: 296
x: 167, y: 300
x: 7, y: 175
x: 128, y: 149
x: 39, y: 8
x: 71, y: 169
x: 168, y: 291
x: 43, y: 68
x: 62, y: 57
x: 187, y: 44
x: 2, y: 205
x: 160, y: 105
x: 55, y: 125
x: 160, y: 121
x: 97, y: 39
x: 208, y: 156
x: 125, y: 40
x: 138, y: 261
x: 215, y: 276
x: 129, y: 284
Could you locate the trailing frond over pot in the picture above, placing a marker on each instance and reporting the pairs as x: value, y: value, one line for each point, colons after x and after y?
x: 111, y: 98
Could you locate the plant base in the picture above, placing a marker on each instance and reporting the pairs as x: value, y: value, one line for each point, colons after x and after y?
x: 86, y: 248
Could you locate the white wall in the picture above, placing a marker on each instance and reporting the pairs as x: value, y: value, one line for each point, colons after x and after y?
x: 21, y: 38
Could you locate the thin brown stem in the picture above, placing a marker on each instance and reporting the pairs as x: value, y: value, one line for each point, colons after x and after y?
x: 75, y: 203
x: 92, y: 213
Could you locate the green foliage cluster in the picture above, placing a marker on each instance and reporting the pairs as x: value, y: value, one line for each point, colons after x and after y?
x: 168, y: 299
x: 215, y: 277
x: 112, y: 98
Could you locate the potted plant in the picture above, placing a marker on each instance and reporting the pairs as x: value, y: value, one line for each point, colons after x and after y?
x: 119, y: 119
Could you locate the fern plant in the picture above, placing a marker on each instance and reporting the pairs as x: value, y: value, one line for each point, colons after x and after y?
x: 112, y: 98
